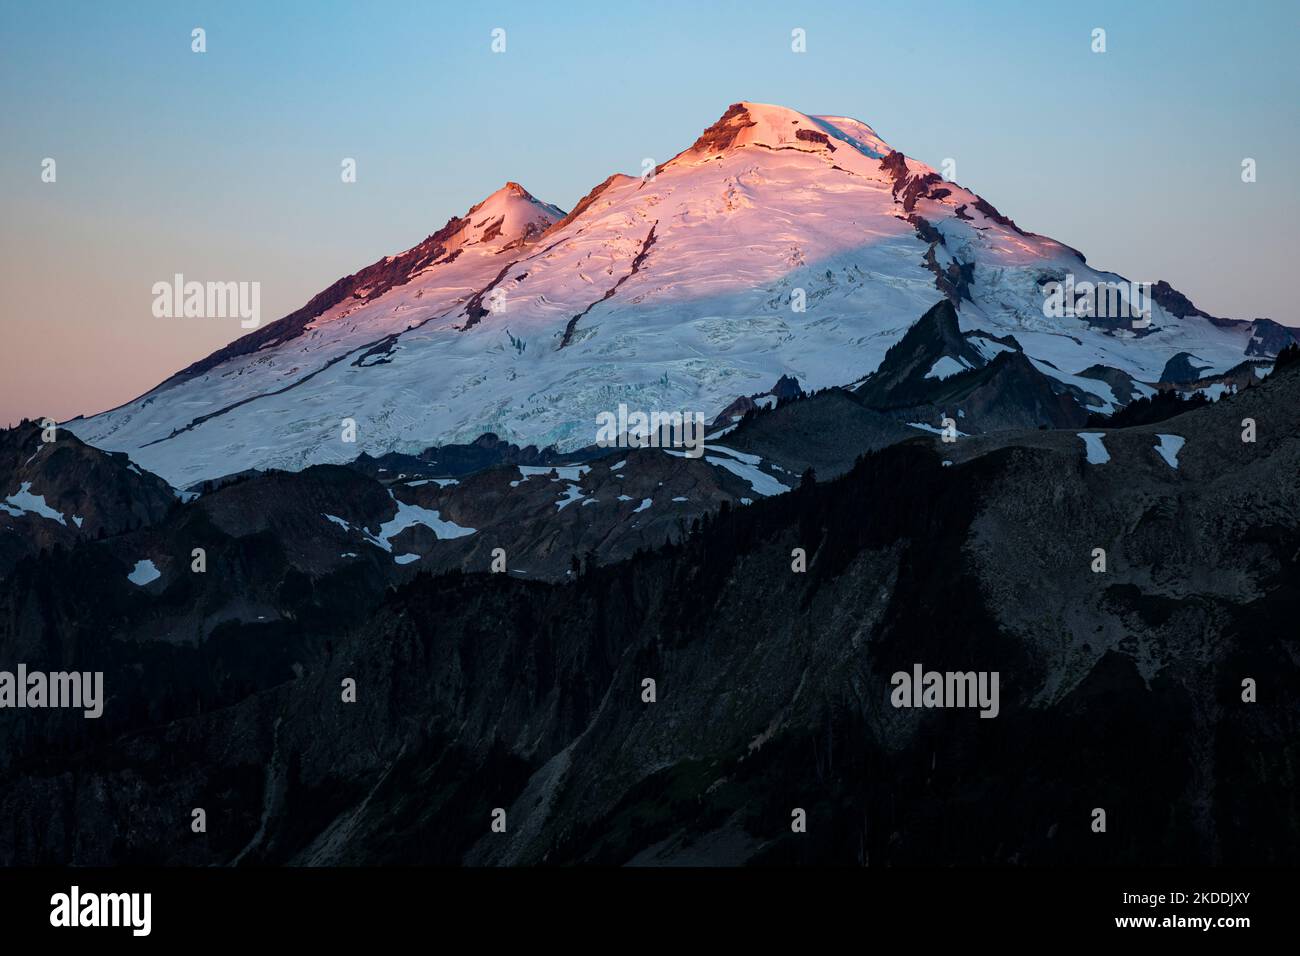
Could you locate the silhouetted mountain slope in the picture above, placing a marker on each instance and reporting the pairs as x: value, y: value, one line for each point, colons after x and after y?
x: 63, y: 491
x: 1120, y: 689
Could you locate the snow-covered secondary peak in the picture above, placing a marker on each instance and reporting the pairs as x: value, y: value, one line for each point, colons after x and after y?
x: 511, y: 215
x: 465, y: 248
x: 779, y: 243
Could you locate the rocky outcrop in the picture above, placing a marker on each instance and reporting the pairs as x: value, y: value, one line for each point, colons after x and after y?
x: 1122, y: 385
x: 65, y: 491
x: 904, y: 377
x: 813, y: 136
x: 722, y: 134
x: 1182, y: 370
x: 785, y: 389
x: 1177, y: 304
x: 458, y: 460
x: 1268, y: 338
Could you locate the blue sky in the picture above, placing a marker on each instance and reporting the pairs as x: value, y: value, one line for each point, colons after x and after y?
x: 228, y: 162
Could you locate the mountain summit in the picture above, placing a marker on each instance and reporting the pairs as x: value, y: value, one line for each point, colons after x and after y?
x: 776, y: 127
x: 779, y: 243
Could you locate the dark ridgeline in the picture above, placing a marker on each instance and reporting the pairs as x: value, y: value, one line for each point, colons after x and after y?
x: 1120, y: 690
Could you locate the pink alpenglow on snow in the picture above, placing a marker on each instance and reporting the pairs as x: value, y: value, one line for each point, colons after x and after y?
x: 779, y: 243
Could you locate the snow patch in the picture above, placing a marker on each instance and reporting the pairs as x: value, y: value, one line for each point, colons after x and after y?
x: 758, y: 479
x: 410, y: 515
x: 1092, y: 386
x: 742, y: 456
x: 567, y: 474
x: 1169, y: 447
x: 1094, y: 448
x: 571, y: 494
x: 24, y: 501
x: 946, y: 366
x: 1217, y: 391
x: 987, y: 347
x: 144, y: 572
x: 934, y: 429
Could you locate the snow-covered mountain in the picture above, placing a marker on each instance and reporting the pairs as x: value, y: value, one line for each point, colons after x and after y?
x: 676, y: 291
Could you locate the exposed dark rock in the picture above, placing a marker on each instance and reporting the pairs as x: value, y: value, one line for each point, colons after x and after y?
x: 1147, y: 411
x: 1268, y: 338
x: 954, y: 281
x: 637, y: 262
x: 901, y: 380
x: 493, y: 230
x: 474, y: 308
x: 991, y: 213
x: 722, y: 134
x: 1177, y: 304
x: 379, y: 353
x: 458, y: 460
x: 1120, y: 382
x: 895, y: 163
x: 1179, y: 370
x: 94, y: 493
x: 1010, y: 393
x: 925, y: 230
x: 812, y: 136
x: 786, y: 388
x: 1008, y: 340
x: 825, y: 432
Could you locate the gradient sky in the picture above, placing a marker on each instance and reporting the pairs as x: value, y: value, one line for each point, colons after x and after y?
x: 225, y: 165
